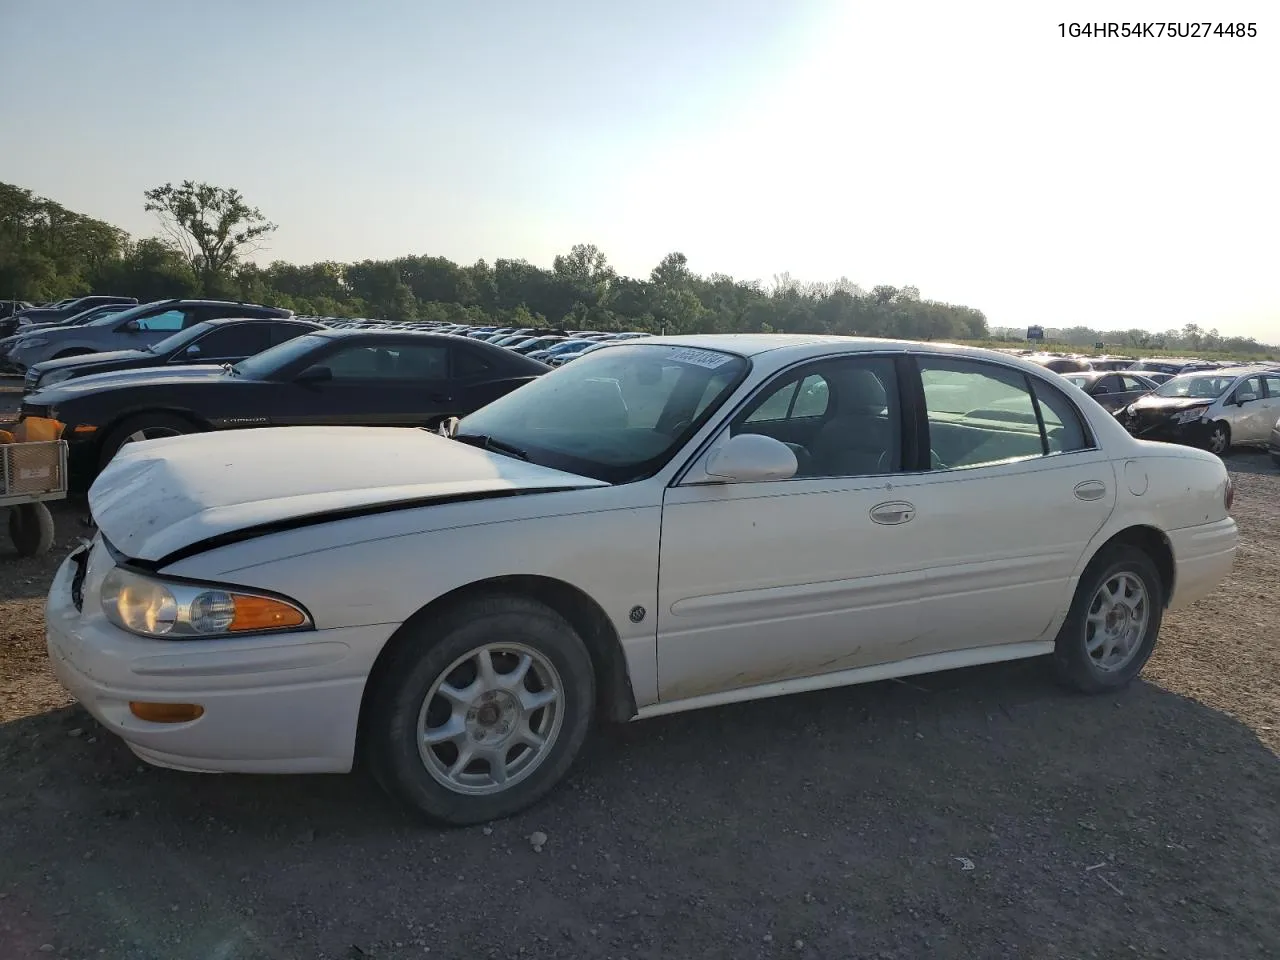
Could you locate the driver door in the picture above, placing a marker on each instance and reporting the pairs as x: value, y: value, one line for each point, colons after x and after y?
x: 387, y: 384
x: 768, y: 581
x: 1252, y: 420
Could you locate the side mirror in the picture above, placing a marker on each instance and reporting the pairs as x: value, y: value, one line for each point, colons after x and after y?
x: 316, y: 374
x: 132, y: 326
x: 1243, y: 398
x: 751, y: 458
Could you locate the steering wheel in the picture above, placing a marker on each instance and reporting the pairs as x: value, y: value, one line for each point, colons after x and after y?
x: 680, y: 426
x: 935, y: 461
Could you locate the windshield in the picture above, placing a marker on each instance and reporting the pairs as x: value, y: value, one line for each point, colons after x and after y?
x: 1197, y: 386
x: 122, y: 314
x: 617, y: 415
x: 264, y: 365
x: 180, y: 339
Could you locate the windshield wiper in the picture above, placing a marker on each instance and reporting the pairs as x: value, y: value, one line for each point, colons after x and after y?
x: 486, y: 442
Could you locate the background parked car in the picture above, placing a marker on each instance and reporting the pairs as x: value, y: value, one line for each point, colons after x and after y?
x: 1215, y: 409
x: 1172, y: 366
x: 65, y: 309
x: 131, y: 329
x: 9, y: 307
x: 228, y: 340
x: 88, y: 316
x: 330, y: 377
x: 1059, y: 363
x: 1112, y: 390
x: 1110, y: 363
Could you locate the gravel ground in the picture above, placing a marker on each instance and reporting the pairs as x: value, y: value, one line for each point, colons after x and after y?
x: 978, y: 813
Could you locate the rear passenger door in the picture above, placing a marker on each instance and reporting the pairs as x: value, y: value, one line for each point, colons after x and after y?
x: 1015, y: 489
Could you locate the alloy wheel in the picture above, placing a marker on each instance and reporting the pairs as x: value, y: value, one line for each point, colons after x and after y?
x: 490, y: 719
x: 1218, y: 440
x: 1117, y: 621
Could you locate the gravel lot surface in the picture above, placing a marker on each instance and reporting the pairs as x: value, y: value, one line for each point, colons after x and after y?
x: 978, y: 813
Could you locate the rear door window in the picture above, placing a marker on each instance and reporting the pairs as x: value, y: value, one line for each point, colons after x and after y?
x: 981, y: 414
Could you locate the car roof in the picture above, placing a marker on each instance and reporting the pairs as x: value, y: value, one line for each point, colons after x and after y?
x: 783, y: 348
x: 298, y: 321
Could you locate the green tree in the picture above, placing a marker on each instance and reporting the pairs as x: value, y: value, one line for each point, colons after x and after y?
x: 212, y: 227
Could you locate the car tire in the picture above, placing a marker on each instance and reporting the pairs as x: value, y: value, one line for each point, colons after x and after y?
x: 31, y: 529
x: 1218, y: 439
x: 1087, y: 655
x: 150, y: 426
x: 416, y: 730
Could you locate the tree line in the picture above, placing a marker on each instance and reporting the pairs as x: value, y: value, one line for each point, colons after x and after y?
x: 1191, y: 338
x: 48, y: 252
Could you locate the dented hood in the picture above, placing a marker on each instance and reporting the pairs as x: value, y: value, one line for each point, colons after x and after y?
x: 158, y: 497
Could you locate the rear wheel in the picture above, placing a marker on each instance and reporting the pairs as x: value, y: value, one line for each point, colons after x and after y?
x: 147, y: 426
x: 1113, y: 622
x: 480, y: 713
x: 1219, y: 438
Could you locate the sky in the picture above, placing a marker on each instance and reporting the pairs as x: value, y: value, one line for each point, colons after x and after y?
x: 967, y: 149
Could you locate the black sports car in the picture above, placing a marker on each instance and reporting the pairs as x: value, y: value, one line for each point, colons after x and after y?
x: 330, y: 377
x: 222, y: 341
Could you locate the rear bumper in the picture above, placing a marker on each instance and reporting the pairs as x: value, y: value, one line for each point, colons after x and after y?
x: 1202, y: 556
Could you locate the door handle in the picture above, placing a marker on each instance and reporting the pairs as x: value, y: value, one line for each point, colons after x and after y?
x: 894, y: 512
x: 1091, y: 490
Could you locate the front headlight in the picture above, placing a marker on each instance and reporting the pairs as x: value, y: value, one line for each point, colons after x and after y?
x: 152, y: 607
x: 53, y: 376
x: 1189, y: 416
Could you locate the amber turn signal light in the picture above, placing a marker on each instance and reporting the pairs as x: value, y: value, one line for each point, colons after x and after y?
x: 166, y: 712
x: 263, y: 613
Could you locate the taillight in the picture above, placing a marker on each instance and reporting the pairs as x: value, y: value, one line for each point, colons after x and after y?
x: 1229, y: 494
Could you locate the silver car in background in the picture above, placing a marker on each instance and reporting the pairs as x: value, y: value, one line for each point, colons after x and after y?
x: 1214, y: 409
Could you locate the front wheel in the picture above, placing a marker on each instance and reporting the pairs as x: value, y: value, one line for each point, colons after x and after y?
x: 479, y: 715
x: 31, y: 529
x: 1113, y: 622
x: 1219, y: 438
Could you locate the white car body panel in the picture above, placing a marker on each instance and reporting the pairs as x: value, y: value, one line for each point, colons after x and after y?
x: 168, y: 494
x: 743, y: 590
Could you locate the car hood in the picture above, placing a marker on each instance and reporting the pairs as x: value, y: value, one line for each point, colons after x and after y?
x: 163, y: 496
x: 87, y: 361
x: 92, y: 383
x: 1153, y: 403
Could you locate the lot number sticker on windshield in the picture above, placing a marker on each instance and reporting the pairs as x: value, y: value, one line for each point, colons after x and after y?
x: 701, y: 358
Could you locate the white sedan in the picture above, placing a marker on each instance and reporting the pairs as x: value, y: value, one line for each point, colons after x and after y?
x: 674, y: 523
